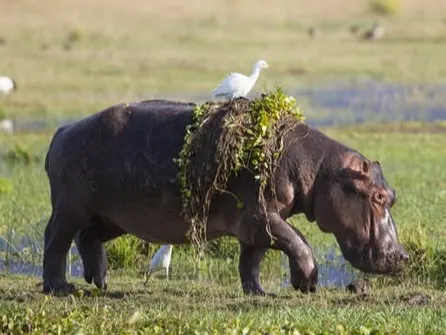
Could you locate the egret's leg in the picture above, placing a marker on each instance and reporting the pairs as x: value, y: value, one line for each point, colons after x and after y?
x: 148, y: 274
x: 167, y: 273
x: 284, y: 265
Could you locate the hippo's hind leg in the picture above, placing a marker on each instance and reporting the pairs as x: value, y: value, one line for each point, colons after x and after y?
x: 249, y: 268
x: 90, y: 244
x: 59, y: 234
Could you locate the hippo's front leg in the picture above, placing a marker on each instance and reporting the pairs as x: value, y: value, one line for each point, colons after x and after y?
x: 303, y: 267
x: 255, y: 241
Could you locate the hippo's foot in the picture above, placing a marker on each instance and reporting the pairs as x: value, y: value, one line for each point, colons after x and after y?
x: 58, y: 287
x: 253, y: 288
x: 94, y: 275
x: 260, y: 292
x: 304, y: 283
x: 305, y: 286
x: 94, y: 260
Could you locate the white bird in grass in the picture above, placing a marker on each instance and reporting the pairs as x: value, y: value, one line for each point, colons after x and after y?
x: 7, y: 85
x: 7, y: 126
x: 237, y: 85
x: 161, y: 260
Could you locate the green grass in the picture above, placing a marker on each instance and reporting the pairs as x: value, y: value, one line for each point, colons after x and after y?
x: 194, y: 307
x: 73, y: 59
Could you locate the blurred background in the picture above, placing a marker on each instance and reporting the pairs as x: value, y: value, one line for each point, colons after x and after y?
x: 345, y: 60
x: 362, y: 64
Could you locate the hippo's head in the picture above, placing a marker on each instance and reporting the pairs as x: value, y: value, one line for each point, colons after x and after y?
x: 354, y: 204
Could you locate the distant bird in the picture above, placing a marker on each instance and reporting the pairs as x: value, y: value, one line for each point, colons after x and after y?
x: 354, y: 29
x: 7, y: 85
x: 7, y: 126
x: 161, y: 260
x: 314, y: 32
x: 376, y: 32
x: 237, y: 85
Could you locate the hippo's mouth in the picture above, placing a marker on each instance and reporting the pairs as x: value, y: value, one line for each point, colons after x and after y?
x: 390, y: 262
x: 369, y: 261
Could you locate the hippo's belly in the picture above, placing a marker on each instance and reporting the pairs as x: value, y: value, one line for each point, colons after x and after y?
x: 151, y: 226
x: 158, y: 224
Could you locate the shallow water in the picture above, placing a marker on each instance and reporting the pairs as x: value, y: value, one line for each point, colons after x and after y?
x: 333, y: 270
x: 369, y: 101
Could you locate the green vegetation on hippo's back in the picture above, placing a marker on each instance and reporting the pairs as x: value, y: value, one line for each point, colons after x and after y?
x: 225, y: 138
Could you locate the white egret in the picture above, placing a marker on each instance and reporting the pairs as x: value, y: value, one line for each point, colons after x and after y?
x: 7, y: 126
x: 237, y: 85
x: 161, y: 260
x: 7, y: 85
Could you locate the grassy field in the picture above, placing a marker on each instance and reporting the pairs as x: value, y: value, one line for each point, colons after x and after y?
x: 413, y: 303
x: 185, y: 307
x: 75, y: 57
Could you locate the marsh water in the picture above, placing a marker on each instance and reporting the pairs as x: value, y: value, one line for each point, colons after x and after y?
x: 334, y: 104
x: 333, y: 269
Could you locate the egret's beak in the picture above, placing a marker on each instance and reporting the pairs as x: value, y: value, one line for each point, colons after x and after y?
x: 268, y: 66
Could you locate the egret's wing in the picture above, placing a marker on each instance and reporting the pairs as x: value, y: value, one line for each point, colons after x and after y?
x: 157, y: 258
x: 232, y: 82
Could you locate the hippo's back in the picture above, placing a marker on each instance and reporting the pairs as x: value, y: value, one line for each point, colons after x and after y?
x: 127, y: 148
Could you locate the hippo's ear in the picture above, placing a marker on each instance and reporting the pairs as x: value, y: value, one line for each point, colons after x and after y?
x: 365, y: 167
x: 358, y: 164
x: 356, y: 167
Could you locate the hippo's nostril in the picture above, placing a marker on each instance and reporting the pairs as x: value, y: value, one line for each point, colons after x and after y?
x: 405, y: 257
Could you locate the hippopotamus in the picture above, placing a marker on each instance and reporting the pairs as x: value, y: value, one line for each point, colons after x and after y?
x: 113, y: 173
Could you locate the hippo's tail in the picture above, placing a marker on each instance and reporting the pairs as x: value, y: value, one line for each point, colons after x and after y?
x: 47, y: 156
x: 46, y: 161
